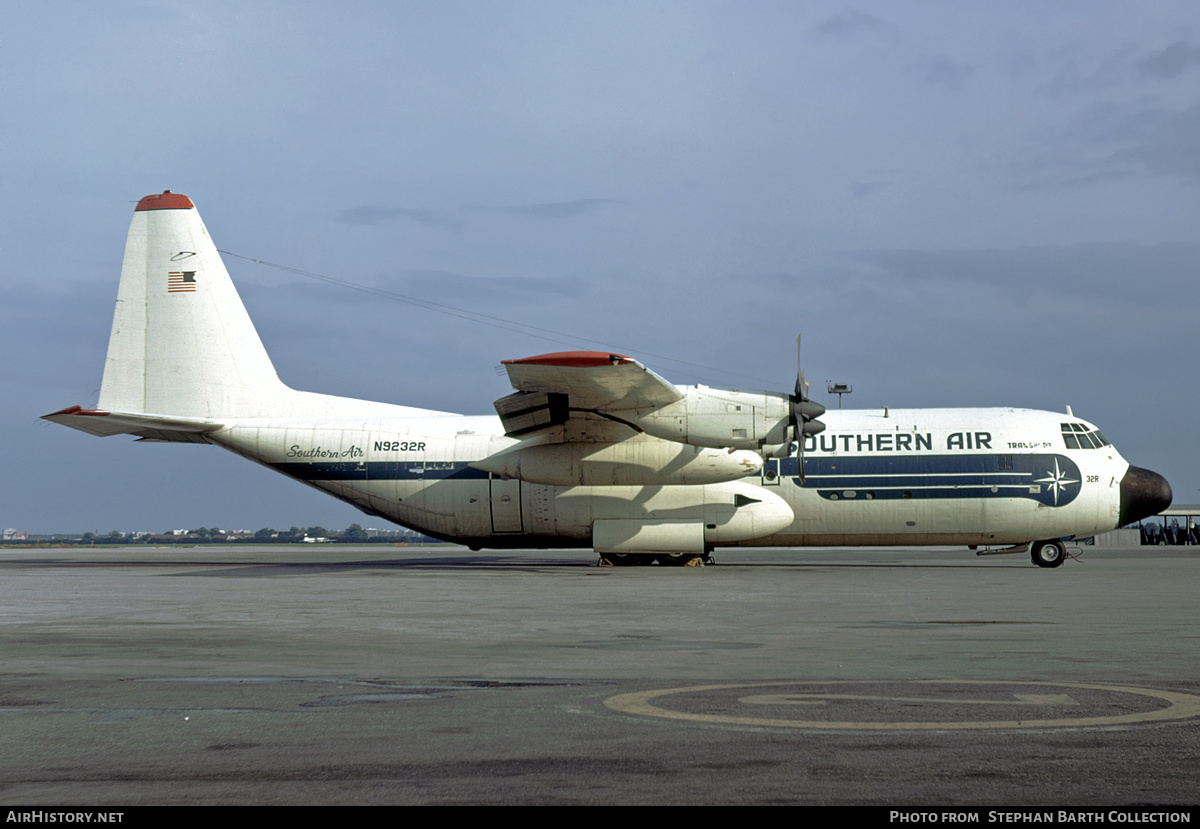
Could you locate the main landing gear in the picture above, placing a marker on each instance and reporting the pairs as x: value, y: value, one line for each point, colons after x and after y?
x: 1050, y: 553
x: 661, y: 559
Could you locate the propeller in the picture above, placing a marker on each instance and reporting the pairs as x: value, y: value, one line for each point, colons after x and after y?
x: 804, y: 413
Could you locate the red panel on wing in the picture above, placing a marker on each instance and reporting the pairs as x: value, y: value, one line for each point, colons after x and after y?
x: 575, y: 359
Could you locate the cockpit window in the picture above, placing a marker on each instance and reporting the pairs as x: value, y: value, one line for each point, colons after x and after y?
x: 1078, y: 436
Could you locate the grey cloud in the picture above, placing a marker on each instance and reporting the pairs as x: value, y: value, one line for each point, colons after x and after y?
x: 1172, y: 148
x: 439, y: 290
x: 513, y: 288
x: 861, y: 189
x: 850, y: 22
x: 1102, y: 177
x: 548, y: 210
x: 69, y: 331
x: 1148, y: 140
x: 1080, y: 75
x: 1109, y: 143
x: 943, y: 71
x: 1172, y: 61
x: 1119, y: 274
x: 375, y: 215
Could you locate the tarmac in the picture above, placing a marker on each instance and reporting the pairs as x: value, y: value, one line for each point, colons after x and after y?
x: 379, y: 674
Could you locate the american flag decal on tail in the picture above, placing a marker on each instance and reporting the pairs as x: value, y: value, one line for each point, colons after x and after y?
x: 178, y: 281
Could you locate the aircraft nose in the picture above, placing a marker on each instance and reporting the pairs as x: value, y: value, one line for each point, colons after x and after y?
x: 1143, y: 493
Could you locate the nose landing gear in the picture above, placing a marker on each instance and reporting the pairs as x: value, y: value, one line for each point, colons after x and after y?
x: 1049, y: 553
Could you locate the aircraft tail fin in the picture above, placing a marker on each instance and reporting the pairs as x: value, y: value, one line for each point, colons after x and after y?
x: 182, y: 343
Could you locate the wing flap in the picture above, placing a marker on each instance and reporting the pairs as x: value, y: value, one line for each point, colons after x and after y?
x: 528, y: 411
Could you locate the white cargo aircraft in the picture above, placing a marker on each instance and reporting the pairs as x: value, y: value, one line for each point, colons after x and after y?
x: 594, y: 449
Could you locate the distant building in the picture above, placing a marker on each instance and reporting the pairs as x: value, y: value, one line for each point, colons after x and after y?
x: 16, y: 535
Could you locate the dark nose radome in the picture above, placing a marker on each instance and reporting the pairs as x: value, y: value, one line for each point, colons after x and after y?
x: 1143, y: 493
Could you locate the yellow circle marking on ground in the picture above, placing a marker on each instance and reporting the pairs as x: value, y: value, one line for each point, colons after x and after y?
x: 1179, y: 707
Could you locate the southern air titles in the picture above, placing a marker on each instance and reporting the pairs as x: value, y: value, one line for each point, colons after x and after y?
x: 896, y: 442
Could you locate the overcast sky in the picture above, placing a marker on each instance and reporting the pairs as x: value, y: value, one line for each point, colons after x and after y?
x: 959, y: 204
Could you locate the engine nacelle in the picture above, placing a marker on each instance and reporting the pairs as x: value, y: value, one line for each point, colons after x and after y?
x: 720, y: 418
x: 681, y: 519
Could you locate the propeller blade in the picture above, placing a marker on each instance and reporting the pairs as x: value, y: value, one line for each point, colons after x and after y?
x: 799, y: 371
x: 804, y: 413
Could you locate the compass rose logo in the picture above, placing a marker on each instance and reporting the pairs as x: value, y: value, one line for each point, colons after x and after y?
x: 1056, y: 481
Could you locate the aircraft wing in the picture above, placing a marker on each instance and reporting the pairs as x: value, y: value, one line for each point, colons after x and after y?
x: 590, y: 418
x: 551, y: 386
x: 144, y: 426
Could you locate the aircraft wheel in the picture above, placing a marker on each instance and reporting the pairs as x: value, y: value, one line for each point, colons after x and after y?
x: 1050, y: 553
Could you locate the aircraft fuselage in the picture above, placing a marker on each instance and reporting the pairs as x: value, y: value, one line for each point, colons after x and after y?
x: 874, y: 477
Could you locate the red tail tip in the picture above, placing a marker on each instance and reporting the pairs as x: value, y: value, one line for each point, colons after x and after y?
x: 166, y: 200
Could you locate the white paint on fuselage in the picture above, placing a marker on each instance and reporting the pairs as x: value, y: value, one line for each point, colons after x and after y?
x: 425, y: 482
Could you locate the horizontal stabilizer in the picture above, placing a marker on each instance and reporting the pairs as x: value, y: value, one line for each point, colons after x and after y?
x: 145, y: 426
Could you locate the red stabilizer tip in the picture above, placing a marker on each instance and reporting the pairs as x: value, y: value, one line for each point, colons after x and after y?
x: 78, y: 410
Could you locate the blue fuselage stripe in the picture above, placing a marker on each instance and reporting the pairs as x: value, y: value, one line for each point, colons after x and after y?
x: 377, y: 471
x: 1049, y: 479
